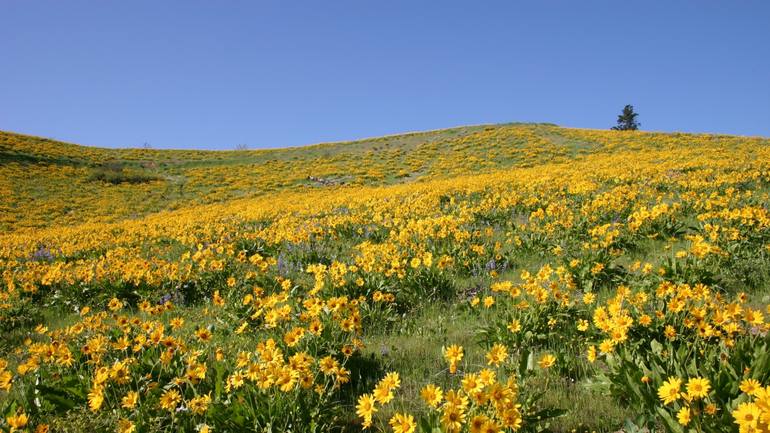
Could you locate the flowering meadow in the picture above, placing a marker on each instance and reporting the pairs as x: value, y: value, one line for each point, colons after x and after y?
x: 487, y: 279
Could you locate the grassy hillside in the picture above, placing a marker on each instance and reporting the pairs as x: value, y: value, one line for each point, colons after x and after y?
x: 112, y: 184
x: 48, y: 183
x: 519, y: 277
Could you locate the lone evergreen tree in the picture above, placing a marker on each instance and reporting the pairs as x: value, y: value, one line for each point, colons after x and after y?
x: 627, y: 120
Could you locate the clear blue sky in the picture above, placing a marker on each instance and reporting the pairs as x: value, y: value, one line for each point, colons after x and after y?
x: 211, y: 74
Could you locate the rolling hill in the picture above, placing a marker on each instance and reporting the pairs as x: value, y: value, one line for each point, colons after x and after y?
x: 46, y: 182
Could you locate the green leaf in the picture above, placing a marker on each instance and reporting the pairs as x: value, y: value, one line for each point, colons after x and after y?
x: 671, y: 425
x: 633, y: 386
x: 425, y: 424
x: 656, y: 347
x: 220, y: 374
x: 524, y: 358
x: 60, y: 398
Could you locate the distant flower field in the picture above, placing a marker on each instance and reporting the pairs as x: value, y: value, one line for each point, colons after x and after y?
x: 507, y: 278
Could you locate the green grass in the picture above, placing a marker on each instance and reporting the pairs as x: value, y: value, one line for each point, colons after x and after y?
x: 118, y: 173
x: 413, y: 348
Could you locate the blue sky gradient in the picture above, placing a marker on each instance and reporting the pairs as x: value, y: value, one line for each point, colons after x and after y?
x: 204, y: 74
